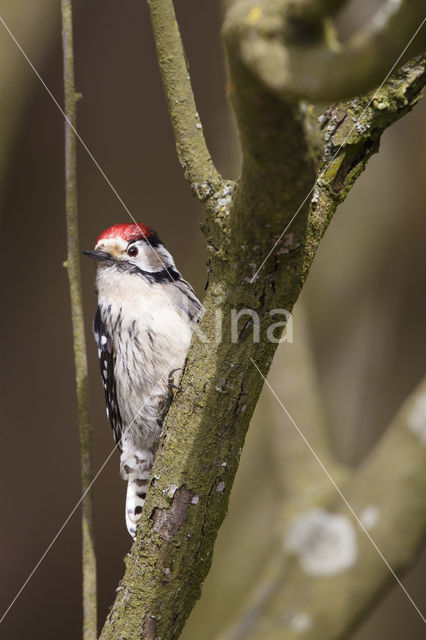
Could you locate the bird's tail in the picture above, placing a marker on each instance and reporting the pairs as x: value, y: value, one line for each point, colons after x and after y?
x: 135, y: 468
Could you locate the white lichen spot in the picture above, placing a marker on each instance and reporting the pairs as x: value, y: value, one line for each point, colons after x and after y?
x: 417, y: 418
x: 380, y: 104
x: 199, y: 125
x: 224, y: 464
x: 315, y: 197
x: 301, y: 622
x: 369, y: 516
x: 170, y: 491
x: 360, y: 127
x: 167, y: 571
x: 223, y: 202
x: 324, y: 542
x: 243, y: 408
x: 195, y: 500
x: 220, y: 487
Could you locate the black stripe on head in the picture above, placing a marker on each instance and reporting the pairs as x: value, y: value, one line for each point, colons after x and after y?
x: 153, y: 240
x: 169, y: 274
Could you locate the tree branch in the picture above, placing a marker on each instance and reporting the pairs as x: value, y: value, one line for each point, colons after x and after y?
x: 302, y: 480
x: 205, y: 428
x: 352, y: 130
x: 351, y: 133
x: 293, y: 375
x: 317, y: 70
x: 80, y: 359
x: 387, y: 494
x: 191, y: 146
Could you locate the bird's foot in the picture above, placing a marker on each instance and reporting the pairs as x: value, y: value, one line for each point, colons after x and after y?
x: 171, y: 380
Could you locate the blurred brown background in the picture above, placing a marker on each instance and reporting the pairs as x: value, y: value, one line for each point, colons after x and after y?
x: 363, y: 301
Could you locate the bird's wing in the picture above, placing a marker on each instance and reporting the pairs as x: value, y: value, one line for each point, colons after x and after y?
x: 106, y: 362
x: 187, y: 300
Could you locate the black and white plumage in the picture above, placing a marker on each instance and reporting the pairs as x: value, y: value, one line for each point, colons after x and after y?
x: 143, y: 327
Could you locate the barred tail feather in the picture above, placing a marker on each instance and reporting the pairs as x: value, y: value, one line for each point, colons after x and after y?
x: 135, y: 468
x: 135, y: 500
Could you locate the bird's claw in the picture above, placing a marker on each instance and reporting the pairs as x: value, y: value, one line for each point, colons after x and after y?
x: 170, y: 380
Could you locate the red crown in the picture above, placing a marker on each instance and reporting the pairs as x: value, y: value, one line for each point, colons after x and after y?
x: 126, y: 232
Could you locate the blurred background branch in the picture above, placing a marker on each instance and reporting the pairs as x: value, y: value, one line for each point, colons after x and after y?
x: 301, y: 592
x: 72, y: 265
x: 285, y: 44
x: 299, y: 476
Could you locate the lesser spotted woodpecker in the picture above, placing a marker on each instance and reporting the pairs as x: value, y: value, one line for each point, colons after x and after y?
x: 143, y: 326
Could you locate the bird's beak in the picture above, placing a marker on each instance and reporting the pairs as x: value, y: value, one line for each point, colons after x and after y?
x: 99, y: 256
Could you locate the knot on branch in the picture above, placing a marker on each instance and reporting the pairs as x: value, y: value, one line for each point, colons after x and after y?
x: 167, y: 522
x: 149, y: 627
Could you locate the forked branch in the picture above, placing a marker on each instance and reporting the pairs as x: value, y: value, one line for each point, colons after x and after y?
x: 199, y: 450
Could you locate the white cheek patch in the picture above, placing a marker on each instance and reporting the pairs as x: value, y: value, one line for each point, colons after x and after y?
x: 147, y: 258
x: 152, y: 259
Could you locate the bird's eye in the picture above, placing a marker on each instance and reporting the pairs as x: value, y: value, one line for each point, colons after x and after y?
x: 132, y: 252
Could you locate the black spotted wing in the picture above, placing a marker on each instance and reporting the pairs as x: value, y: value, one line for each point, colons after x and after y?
x: 106, y: 362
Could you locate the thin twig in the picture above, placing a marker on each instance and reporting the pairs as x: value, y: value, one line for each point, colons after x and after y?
x: 191, y: 146
x: 80, y: 358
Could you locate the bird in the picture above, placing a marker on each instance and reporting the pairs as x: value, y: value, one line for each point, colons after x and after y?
x: 143, y: 327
